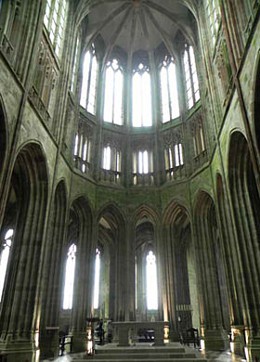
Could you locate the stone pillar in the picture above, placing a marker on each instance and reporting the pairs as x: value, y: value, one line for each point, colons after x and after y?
x: 215, y: 340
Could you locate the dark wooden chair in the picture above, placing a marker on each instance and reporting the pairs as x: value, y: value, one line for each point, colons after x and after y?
x: 191, y: 336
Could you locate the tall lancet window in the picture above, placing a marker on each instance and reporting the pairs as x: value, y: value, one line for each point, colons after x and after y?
x: 141, y: 97
x: 55, y: 21
x: 107, y: 158
x: 169, y: 92
x: 191, y: 76
x: 75, y: 65
x: 213, y: 13
x: 151, y: 282
x: 69, y: 277
x: 113, y: 107
x: 4, y: 256
x: 89, y: 82
x: 97, y: 280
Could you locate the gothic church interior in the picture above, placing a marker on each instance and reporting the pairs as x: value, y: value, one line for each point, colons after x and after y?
x: 129, y: 170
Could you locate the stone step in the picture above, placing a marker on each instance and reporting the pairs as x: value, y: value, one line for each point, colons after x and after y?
x: 143, y: 356
x: 151, y: 359
x: 149, y: 349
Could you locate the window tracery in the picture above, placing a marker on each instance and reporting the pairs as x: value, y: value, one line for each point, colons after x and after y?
x: 141, y: 97
x: 198, y: 138
x: 111, y: 161
x: 75, y: 66
x: 82, y: 147
x: 89, y: 81
x: 169, y: 92
x: 173, y: 154
x: 114, y: 82
x: 191, y: 76
x: 213, y: 14
x: 55, y: 21
x: 143, y: 167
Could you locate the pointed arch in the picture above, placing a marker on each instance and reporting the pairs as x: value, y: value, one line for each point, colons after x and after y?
x: 111, y: 243
x: 246, y: 207
x: 176, y: 212
x: 26, y: 207
x: 256, y: 109
x: 3, y: 136
x: 181, y: 270
x: 145, y: 213
x: 53, y: 265
x: 213, y: 307
x: 229, y: 250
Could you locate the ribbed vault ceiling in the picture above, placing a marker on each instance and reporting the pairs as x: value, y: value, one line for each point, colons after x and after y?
x: 135, y: 24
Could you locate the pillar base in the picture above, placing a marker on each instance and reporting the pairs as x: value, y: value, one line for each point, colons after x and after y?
x: 253, y: 349
x: 79, y: 342
x: 49, y: 343
x: 18, y: 351
x: 215, y: 340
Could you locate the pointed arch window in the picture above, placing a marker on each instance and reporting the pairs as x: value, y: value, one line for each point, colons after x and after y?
x: 213, y: 14
x: 143, y: 162
x: 169, y: 93
x: 114, y: 81
x: 89, y: 82
x: 69, y: 277
x: 111, y: 163
x: 82, y: 150
x: 143, y: 167
x: 4, y: 257
x: 151, y: 282
x: 173, y: 156
x: 191, y: 76
x: 55, y: 21
x: 97, y: 279
x: 141, y: 97
x: 75, y: 65
x: 107, y: 158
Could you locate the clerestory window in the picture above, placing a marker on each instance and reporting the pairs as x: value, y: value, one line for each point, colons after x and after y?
x: 82, y: 151
x: 141, y: 97
x: 169, y: 92
x: 198, y: 140
x: 55, y: 21
x: 191, y: 77
x: 111, y: 159
x: 4, y: 257
x: 89, y: 82
x: 75, y: 66
x: 173, y: 156
x: 213, y: 14
x: 114, y: 81
x: 69, y: 277
x: 142, y: 166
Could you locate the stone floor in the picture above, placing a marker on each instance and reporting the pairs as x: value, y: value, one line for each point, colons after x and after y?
x: 224, y: 356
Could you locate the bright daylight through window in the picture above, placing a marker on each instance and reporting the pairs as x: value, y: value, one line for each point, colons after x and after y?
x: 89, y: 82
x: 141, y: 97
x: 69, y: 277
x: 113, y: 108
x: 151, y: 282
x: 97, y: 280
x: 4, y: 256
x: 169, y: 92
